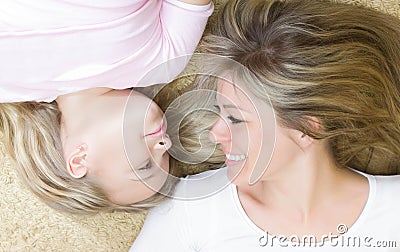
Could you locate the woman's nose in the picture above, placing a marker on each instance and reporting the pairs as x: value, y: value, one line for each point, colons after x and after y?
x: 220, y: 132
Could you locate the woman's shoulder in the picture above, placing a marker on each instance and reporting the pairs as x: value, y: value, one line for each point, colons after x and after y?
x: 204, y: 185
x: 385, y: 192
x: 197, y: 191
x: 388, y: 186
x: 382, y: 208
x: 195, y: 194
x: 186, y: 218
x: 384, y: 182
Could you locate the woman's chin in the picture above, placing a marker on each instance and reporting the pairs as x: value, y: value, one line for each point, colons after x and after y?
x: 236, y: 174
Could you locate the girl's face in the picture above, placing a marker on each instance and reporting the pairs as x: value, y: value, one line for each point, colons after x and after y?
x: 246, y: 131
x: 129, y: 158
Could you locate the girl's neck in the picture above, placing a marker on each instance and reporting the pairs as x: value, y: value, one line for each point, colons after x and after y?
x: 75, y: 107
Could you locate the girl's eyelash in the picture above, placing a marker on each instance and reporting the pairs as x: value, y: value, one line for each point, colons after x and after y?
x: 234, y: 120
x: 146, y: 167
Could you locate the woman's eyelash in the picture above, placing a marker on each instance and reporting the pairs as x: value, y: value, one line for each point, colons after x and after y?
x: 146, y: 167
x: 234, y: 120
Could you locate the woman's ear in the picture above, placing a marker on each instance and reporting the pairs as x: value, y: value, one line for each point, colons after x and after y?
x: 302, y: 139
x: 77, y: 162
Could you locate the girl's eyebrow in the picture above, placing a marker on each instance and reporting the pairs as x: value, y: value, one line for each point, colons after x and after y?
x: 141, y: 164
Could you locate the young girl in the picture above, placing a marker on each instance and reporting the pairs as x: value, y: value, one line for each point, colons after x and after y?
x: 67, y: 67
x: 331, y: 74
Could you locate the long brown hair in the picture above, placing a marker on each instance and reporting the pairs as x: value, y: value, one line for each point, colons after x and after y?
x: 336, y: 62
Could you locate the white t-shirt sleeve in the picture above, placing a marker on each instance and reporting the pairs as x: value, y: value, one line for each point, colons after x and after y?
x: 183, y: 224
x: 165, y: 229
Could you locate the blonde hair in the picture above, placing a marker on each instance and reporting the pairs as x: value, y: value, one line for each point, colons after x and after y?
x: 31, y: 134
x: 335, y: 62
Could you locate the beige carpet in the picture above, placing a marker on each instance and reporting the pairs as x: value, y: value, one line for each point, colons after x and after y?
x: 28, y: 225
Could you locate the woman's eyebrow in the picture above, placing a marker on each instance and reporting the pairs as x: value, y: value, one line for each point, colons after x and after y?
x: 232, y: 106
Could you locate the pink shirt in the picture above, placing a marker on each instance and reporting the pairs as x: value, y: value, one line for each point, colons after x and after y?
x: 52, y: 47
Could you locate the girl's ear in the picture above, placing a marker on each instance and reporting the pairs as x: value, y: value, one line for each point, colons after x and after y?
x: 77, y: 162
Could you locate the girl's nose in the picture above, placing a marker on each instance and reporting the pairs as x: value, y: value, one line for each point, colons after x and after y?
x: 163, y: 144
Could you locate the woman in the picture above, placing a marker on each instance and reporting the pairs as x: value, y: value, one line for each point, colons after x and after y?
x: 332, y: 75
x: 82, y: 58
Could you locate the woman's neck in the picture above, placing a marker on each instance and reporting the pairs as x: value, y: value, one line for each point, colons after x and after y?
x: 306, y: 197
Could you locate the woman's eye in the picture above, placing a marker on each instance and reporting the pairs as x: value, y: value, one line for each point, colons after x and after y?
x: 234, y: 120
x: 146, y: 167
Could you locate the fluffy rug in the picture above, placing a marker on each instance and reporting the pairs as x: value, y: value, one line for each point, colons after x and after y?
x: 29, y: 225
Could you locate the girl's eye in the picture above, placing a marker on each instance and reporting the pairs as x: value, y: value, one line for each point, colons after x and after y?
x: 234, y: 120
x: 146, y: 167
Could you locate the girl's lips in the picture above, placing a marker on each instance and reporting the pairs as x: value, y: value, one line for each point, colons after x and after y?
x: 160, y: 131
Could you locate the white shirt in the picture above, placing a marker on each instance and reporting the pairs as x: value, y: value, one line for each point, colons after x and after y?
x: 219, y: 223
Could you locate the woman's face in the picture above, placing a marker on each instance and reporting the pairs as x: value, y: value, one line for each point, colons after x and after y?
x: 129, y: 158
x: 246, y: 132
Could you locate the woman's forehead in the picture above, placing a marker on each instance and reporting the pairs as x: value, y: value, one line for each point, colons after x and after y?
x: 229, y: 93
